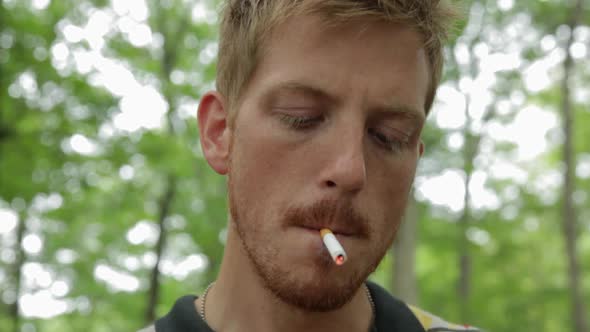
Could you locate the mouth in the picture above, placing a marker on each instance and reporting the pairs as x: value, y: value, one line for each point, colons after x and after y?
x: 340, y: 231
x: 339, y: 217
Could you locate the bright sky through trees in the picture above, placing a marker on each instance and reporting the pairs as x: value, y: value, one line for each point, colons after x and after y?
x: 97, y: 127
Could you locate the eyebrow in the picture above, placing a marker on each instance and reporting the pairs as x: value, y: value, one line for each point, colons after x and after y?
x: 306, y: 89
x: 401, y: 110
x: 394, y: 109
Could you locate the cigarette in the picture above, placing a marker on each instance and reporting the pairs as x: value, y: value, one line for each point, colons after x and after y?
x: 334, y: 247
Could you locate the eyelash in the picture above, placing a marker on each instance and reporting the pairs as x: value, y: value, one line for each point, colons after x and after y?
x: 394, y: 145
x: 308, y: 122
x: 300, y: 122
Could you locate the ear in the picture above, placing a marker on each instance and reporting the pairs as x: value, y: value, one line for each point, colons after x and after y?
x: 421, y: 149
x: 214, y: 131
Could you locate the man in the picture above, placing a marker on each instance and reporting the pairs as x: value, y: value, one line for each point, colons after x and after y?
x: 316, y: 121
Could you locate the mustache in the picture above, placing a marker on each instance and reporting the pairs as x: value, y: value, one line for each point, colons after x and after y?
x: 340, y: 217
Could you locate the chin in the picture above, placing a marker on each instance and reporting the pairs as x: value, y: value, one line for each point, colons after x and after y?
x: 318, y: 294
x: 317, y: 287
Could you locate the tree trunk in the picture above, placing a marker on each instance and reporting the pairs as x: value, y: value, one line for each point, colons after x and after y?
x: 470, y: 149
x: 154, y: 290
x: 569, y: 212
x: 404, y: 256
x: 464, y: 281
x: 17, y: 271
x: 172, y: 43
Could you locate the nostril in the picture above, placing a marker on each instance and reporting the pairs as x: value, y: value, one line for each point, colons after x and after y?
x: 330, y: 183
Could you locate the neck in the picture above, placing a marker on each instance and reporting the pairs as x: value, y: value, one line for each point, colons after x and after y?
x: 239, y: 302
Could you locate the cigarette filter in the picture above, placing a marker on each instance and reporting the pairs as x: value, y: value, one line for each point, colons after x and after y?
x: 334, y: 248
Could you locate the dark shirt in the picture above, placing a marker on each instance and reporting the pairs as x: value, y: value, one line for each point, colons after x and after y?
x: 391, y: 315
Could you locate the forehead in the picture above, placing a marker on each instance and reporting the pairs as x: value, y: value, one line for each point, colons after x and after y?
x: 362, y: 58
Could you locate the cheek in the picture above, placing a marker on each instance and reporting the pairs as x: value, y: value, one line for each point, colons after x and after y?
x: 395, y: 177
x: 260, y: 166
x: 393, y: 187
x: 268, y: 151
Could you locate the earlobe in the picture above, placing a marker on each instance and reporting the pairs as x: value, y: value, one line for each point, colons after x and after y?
x: 421, y: 149
x: 214, y: 131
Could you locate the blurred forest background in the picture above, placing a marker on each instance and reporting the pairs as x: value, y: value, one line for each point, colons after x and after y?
x: 108, y: 211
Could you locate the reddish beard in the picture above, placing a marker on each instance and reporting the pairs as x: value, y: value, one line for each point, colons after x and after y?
x: 318, y: 294
x: 326, y: 287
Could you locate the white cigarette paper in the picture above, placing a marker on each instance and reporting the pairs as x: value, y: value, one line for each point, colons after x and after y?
x: 334, y: 248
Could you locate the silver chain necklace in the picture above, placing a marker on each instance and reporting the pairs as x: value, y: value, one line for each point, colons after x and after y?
x: 204, y: 298
x: 202, y: 307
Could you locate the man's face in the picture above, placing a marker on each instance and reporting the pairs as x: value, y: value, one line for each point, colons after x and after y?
x: 327, y: 135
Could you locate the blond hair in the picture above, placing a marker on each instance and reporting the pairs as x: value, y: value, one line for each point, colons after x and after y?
x: 245, y: 25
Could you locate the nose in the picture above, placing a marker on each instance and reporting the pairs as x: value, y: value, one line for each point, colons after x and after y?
x: 345, y: 168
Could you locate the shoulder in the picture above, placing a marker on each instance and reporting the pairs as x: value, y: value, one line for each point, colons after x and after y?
x: 182, y: 317
x: 432, y: 323
x: 392, y: 314
x: 150, y: 328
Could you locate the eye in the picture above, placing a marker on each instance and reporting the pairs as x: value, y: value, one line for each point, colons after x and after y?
x: 389, y: 141
x: 300, y: 122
